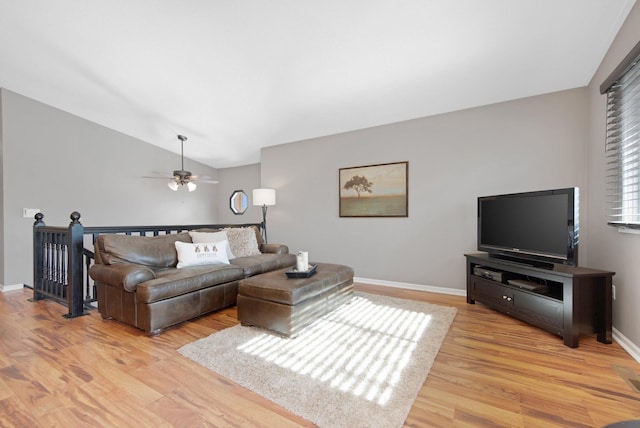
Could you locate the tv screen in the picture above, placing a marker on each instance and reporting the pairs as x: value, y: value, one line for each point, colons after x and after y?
x: 537, y: 226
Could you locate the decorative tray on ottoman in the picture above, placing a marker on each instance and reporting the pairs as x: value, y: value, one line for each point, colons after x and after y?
x: 294, y: 273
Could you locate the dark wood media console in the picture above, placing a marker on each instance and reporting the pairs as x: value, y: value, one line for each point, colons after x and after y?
x: 575, y: 300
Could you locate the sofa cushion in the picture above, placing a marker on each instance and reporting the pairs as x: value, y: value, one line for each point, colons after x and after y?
x: 156, y: 251
x: 175, y: 282
x: 261, y: 263
x: 209, y: 253
x: 205, y: 237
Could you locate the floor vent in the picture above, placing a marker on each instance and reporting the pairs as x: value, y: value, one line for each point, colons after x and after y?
x: 629, y: 376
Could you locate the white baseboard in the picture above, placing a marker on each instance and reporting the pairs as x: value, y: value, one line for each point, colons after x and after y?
x: 631, y: 348
x: 419, y: 287
x: 4, y: 288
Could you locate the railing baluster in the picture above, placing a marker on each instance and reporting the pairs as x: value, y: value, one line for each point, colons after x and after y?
x: 62, y: 276
x: 55, y: 266
x: 58, y: 283
x: 47, y: 285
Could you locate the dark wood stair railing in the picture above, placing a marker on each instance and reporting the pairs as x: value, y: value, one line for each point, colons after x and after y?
x: 57, y: 263
x: 61, y: 259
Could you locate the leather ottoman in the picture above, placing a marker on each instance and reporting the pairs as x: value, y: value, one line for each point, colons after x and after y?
x: 287, y: 305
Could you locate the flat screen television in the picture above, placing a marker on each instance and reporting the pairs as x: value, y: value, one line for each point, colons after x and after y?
x: 537, y: 228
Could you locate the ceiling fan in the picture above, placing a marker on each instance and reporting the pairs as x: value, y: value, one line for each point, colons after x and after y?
x: 182, y: 177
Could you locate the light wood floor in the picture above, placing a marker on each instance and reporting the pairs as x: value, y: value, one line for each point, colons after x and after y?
x: 491, y: 371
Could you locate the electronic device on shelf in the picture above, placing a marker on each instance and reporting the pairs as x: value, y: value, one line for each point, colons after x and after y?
x: 529, y: 285
x: 492, y: 274
x: 532, y: 227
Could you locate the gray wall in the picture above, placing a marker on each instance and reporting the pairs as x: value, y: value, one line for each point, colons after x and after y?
x: 616, y: 251
x: 529, y: 144
x: 2, y: 242
x: 244, y: 178
x: 59, y: 163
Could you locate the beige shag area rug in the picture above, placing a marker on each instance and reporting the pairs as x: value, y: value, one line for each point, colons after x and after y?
x: 362, y: 365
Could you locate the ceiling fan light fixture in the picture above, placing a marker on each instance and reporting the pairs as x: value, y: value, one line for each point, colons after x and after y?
x: 183, y: 177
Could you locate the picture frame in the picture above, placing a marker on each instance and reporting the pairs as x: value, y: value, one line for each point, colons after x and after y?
x: 380, y: 190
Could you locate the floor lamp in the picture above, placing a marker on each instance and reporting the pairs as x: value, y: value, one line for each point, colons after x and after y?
x: 264, y: 198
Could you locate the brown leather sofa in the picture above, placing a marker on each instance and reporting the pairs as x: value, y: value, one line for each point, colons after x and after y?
x: 139, y: 284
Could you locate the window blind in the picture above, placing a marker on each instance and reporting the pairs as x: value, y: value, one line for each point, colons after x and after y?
x: 622, y: 146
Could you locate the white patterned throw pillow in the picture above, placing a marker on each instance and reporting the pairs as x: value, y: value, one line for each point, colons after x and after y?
x: 210, y: 253
x: 204, y: 237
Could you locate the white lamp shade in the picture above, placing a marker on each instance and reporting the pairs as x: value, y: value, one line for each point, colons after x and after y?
x: 173, y: 185
x: 191, y: 186
x: 264, y: 197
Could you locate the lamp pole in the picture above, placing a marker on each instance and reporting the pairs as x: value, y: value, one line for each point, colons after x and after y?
x: 264, y: 223
x: 264, y: 198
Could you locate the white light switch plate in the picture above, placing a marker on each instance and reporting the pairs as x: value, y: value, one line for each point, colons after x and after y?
x: 30, y: 212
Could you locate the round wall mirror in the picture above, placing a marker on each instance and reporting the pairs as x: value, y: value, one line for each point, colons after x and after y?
x: 238, y: 202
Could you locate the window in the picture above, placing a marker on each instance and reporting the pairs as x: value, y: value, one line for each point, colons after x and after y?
x: 622, y: 145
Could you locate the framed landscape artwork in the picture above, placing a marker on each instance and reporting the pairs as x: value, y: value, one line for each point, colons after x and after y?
x: 375, y: 190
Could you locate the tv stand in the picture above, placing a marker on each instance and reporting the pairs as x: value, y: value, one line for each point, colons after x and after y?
x: 575, y: 301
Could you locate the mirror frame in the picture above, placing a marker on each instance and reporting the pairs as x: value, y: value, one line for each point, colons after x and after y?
x: 238, y: 202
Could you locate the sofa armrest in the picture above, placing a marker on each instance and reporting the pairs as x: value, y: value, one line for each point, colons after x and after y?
x: 122, y: 275
x: 274, y: 249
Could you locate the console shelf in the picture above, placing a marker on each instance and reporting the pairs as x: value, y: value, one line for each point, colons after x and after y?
x: 574, y: 301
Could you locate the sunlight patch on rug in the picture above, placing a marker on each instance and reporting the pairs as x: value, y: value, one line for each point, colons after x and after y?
x: 361, y: 365
x: 360, y: 348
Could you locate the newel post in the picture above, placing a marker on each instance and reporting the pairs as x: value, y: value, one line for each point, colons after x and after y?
x: 38, y: 256
x: 75, y: 245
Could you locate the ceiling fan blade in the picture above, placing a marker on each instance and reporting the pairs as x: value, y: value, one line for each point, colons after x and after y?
x: 206, y: 177
x: 156, y: 177
x: 203, y: 179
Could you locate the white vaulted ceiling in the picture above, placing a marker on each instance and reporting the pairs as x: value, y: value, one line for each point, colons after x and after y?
x: 238, y: 75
